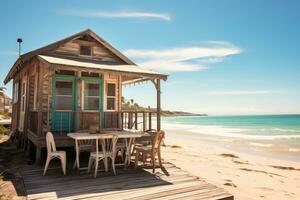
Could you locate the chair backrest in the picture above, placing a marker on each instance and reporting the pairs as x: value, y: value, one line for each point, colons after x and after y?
x: 108, y: 143
x: 157, y: 139
x: 83, y: 143
x: 50, y: 142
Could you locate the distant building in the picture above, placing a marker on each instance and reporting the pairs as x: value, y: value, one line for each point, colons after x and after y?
x: 5, y: 103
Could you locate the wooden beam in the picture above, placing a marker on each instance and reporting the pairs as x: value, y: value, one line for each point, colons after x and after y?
x: 40, y: 114
x: 158, y: 107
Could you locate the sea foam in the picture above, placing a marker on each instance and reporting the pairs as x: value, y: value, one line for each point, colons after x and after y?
x: 242, y: 133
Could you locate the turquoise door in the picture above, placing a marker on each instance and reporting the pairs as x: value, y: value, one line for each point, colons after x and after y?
x: 93, y: 98
x: 63, y: 103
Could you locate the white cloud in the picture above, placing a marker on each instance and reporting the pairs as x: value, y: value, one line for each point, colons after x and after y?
x: 245, y: 92
x: 167, y: 65
x: 192, y: 58
x: 117, y: 14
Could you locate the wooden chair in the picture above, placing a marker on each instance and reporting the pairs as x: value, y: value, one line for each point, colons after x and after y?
x: 52, y: 153
x: 108, y: 144
x: 151, y: 151
x: 121, y: 147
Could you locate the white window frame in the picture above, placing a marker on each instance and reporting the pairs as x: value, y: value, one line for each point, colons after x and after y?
x: 63, y: 95
x: 106, y: 96
x: 83, y: 96
x: 16, y: 92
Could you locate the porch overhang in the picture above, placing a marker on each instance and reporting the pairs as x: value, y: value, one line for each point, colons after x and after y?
x: 138, y: 73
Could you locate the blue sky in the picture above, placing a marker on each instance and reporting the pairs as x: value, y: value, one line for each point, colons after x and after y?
x: 223, y: 57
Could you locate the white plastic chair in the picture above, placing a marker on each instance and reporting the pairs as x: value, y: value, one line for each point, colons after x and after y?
x: 84, y: 146
x: 108, y: 144
x: 52, y: 153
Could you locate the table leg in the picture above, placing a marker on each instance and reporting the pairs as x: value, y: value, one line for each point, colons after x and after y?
x: 77, y: 154
x: 106, y: 164
x: 128, y: 151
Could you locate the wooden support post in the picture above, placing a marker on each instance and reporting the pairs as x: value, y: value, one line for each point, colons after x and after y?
x: 144, y: 121
x: 129, y: 120
x: 25, y: 135
x: 38, y: 155
x: 28, y: 147
x: 39, y: 99
x: 122, y: 121
x: 136, y: 121
x: 158, y: 125
x: 99, y: 121
x: 150, y: 121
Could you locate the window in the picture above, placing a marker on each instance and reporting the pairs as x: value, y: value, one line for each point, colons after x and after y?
x: 16, y: 92
x: 85, y: 50
x: 63, y: 95
x: 89, y: 74
x: 65, y: 72
x: 111, y: 96
x: 91, y: 96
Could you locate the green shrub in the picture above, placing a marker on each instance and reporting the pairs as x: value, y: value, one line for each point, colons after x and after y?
x: 3, y: 130
x: 5, y: 115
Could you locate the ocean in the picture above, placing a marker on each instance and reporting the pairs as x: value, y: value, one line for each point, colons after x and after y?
x: 276, y: 132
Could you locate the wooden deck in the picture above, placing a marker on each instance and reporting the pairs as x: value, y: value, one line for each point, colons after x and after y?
x: 168, y: 183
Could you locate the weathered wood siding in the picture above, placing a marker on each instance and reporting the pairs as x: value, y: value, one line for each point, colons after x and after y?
x: 45, y: 96
x: 99, y: 52
x: 15, y: 109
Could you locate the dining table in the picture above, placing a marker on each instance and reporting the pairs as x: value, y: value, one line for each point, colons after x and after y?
x: 129, y: 135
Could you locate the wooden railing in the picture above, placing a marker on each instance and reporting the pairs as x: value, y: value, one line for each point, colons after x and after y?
x: 62, y: 122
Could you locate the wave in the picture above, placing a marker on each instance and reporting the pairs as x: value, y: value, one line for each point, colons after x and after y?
x: 242, y: 133
x: 278, y: 130
x: 294, y: 150
x: 260, y: 144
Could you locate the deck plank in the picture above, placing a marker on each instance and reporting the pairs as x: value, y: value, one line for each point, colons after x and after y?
x: 166, y: 184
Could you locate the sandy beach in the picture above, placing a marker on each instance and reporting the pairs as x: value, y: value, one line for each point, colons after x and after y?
x: 245, y: 175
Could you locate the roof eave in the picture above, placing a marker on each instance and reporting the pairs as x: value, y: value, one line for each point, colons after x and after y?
x: 146, y: 75
x: 10, y: 73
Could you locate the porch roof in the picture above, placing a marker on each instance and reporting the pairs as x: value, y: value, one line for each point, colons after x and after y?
x: 128, y: 69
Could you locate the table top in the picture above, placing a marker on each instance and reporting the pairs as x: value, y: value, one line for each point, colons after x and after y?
x: 121, y: 134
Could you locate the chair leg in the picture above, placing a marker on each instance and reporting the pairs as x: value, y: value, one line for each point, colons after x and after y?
x: 122, y: 154
x: 96, y: 167
x: 75, y: 162
x: 113, y: 165
x: 159, y: 158
x: 153, y: 162
x: 74, y: 165
x: 136, y: 159
x: 63, y: 164
x: 105, y: 164
x: 46, y: 165
x: 125, y: 161
x: 144, y: 157
x: 90, y: 164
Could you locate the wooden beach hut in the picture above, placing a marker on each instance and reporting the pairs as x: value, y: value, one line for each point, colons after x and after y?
x: 75, y: 84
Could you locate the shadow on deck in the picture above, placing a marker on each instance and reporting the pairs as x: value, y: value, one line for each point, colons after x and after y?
x: 167, y: 183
